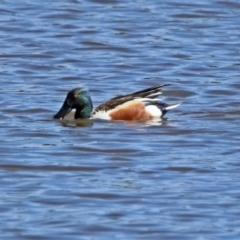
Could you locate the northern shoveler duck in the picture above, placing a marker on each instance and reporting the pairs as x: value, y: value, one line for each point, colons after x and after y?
x: 137, y: 106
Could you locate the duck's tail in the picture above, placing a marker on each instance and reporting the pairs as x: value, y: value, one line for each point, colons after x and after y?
x: 172, y: 106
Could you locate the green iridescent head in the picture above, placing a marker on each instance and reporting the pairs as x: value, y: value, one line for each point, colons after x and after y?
x: 78, y: 99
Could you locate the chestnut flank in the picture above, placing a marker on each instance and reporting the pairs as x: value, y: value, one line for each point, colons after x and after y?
x: 130, y: 111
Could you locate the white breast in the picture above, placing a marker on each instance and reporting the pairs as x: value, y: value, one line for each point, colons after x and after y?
x: 101, y: 115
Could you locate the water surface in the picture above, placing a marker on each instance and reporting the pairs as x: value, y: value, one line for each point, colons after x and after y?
x: 175, y: 179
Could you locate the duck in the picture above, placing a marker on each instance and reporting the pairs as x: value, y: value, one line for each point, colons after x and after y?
x: 143, y: 105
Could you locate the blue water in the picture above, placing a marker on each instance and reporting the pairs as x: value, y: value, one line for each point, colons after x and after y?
x: 174, y: 179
